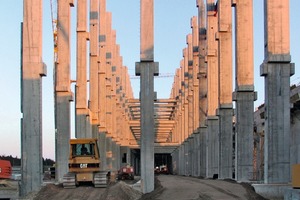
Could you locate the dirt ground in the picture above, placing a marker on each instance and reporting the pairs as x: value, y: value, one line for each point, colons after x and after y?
x: 166, y: 187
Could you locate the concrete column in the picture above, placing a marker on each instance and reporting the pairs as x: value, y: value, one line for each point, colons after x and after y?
x: 212, y: 149
x: 197, y: 154
x: 213, y: 90
x: 102, y: 67
x: 202, y: 76
x: 181, y: 160
x: 108, y: 77
x: 109, y: 154
x: 189, y: 74
x: 114, y: 156
x: 82, y: 111
x: 277, y: 70
x: 225, y: 111
x: 94, y: 64
x: 244, y: 94
x: 185, y: 90
x: 102, y: 150
x: 195, y: 45
x: 203, y: 149
x: 32, y: 71
x: 146, y: 68
x: 63, y: 94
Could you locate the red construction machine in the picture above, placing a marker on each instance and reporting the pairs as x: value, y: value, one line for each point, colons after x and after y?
x: 126, y: 172
x: 5, y: 169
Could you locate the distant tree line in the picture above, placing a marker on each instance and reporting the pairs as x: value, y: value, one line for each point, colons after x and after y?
x: 15, y: 161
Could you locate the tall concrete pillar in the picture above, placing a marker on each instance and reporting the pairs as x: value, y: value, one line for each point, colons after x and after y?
x: 147, y: 68
x: 213, y: 90
x: 102, y: 84
x: 63, y: 94
x: 202, y: 76
x: 32, y: 71
x: 189, y: 74
x: 185, y: 89
x: 196, y: 121
x: 277, y: 69
x: 244, y: 94
x: 94, y: 64
x: 225, y: 111
x: 81, y: 110
x: 108, y: 73
x: 195, y: 49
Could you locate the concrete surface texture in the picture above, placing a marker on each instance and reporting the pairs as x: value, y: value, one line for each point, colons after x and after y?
x: 33, y: 69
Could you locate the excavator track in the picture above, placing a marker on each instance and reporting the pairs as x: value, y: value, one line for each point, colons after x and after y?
x: 69, y: 180
x: 101, y: 179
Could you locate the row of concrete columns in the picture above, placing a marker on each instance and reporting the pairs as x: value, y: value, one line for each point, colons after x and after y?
x: 102, y: 84
x: 102, y: 87
x: 202, y: 87
x: 215, y: 141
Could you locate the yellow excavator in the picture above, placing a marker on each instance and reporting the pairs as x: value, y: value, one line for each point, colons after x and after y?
x: 84, y: 164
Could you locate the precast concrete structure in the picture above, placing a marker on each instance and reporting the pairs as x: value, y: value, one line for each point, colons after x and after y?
x: 212, y: 90
x: 225, y: 110
x: 82, y: 115
x: 63, y: 93
x: 32, y: 71
x: 277, y: 69
x: 202, y: 77
x: 147, y: 68
x: 244, y: 94
x: 195, y: 127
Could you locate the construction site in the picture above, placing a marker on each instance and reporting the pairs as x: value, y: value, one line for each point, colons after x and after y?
x: 206, y: 141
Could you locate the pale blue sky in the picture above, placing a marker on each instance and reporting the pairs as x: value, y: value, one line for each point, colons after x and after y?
x: 172, y: 24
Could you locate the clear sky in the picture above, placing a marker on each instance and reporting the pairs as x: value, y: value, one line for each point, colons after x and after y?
x: 172, y: 24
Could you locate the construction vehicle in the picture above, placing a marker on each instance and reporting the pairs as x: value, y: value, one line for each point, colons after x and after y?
x: 84, y: 164
x: 5, y: 169
x: 126, y: 172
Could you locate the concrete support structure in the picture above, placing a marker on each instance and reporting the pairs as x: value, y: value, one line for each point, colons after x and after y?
x: 225, y: 111
x: 81, y: 112
x: 63, y: 94
x: 277, y: 69
x: 195, y: 49
x: 102, y: 84
x: 189, y: 73
x: 213, y: 90
x: 202, y: 76
x: 147, y: 68
x: 94, y: 65
x: 32, y: 70
x: 244, y: 94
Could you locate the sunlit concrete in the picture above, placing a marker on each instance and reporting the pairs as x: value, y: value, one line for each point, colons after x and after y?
x: 32, y: 71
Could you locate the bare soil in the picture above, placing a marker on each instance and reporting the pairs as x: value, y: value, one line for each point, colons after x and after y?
x: 166, y: 187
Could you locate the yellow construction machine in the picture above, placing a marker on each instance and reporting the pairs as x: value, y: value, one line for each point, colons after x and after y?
x: 84, y: 164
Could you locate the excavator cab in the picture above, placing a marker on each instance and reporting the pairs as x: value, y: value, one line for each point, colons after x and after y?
x: 84, y: 164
